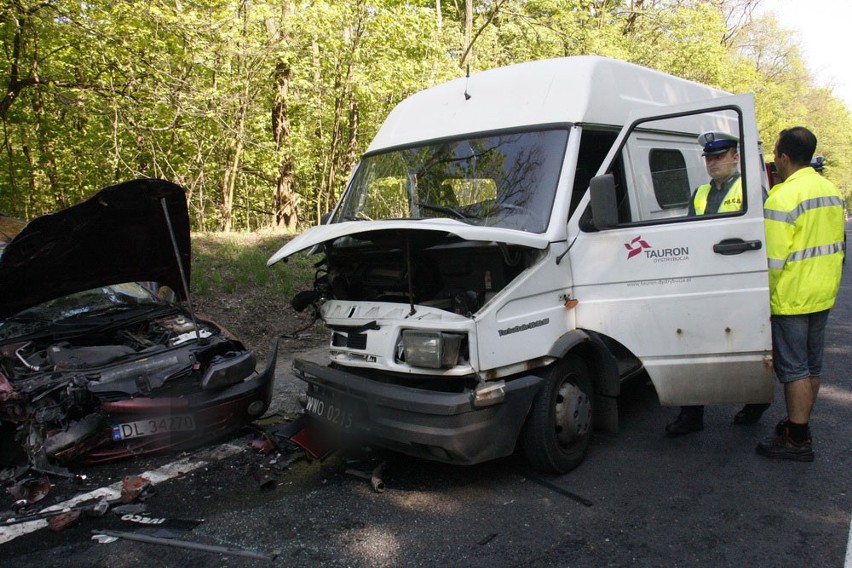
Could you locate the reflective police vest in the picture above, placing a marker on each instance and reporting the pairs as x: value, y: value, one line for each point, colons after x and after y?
x: 733, y: 199
x: 804, y: 220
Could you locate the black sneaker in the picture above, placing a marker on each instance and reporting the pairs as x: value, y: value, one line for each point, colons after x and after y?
x: 750, y: 413
x: 689, y: 420
x: 783, y: 448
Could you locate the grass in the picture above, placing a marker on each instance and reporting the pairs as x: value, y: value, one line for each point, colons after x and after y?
x: 230, y: 263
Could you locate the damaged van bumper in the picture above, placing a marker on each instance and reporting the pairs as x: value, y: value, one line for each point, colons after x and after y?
x: 440, y: 426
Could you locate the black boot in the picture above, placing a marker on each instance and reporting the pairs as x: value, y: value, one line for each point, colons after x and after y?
x: 785, y: 448
x: 690, y: 419
x: 782, y: 424
x: 750, y: 413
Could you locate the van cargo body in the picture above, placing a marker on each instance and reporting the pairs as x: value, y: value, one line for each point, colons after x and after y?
x: 512, y: 247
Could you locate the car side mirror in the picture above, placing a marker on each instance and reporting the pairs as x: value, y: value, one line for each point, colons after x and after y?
x: 603, y: 201
x: 324, y: 218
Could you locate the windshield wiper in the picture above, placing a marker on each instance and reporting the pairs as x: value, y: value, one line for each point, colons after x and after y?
x: 445, y: 209
x: 358, y: 216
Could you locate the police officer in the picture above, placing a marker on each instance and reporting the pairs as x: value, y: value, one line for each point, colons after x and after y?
x: 723, y: 194
x: 804, y: 217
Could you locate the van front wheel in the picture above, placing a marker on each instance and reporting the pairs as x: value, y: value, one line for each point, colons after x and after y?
x: 559, y: 426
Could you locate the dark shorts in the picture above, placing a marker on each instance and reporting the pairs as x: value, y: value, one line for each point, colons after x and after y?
x: 797, y: 345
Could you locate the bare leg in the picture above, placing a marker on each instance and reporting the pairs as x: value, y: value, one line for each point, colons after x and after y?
x: 800, y: 396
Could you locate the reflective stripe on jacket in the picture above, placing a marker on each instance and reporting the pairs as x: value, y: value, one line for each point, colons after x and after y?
x: 805, y: 225
x: 733, y: 199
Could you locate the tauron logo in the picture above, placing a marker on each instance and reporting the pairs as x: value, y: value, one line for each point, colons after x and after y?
x: 639, y: 245
x: 636, y: 246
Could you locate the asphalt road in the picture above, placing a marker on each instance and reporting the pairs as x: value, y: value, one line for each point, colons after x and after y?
x: 639, y: 499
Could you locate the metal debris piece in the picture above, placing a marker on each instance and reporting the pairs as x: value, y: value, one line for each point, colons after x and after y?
x: 487, y: 539
x: 33, y: 517
x: 40, y: 463
x: 99, y: 536
x: 70, y: 515
x: 132, y: 487
x: 264, y: 446
x: 306, y: 440
x: 288, y: 429
x: 375, y: 477
x: 31, y: 490
x: 64, y: 520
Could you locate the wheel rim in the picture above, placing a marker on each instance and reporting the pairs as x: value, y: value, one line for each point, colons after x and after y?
x: 572, y: 413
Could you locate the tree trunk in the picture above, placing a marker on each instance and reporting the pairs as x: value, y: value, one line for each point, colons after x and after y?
x: 284, y: 214
x: 468, y: 32
x: 229, y: 181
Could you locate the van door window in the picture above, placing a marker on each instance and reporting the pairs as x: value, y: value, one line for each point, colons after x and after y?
x: 665, y: 173
x: 669, y: 178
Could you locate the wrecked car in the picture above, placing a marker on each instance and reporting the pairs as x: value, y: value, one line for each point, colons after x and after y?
x: 97, y: 362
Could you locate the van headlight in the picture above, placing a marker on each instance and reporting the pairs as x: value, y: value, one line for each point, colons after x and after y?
x: 431, y: 349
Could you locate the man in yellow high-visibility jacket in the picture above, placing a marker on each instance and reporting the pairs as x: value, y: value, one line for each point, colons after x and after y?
x: 804, y: 218
x: 723, y: 194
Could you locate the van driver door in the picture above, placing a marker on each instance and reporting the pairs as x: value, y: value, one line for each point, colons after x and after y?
x: 686, y: 293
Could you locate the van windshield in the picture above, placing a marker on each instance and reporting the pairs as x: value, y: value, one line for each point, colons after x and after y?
x: 500, y: 180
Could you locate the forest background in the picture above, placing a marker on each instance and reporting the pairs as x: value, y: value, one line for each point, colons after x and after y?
x: 261, y: 109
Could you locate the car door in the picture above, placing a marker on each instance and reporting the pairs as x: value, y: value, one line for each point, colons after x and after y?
x: 687, y: 294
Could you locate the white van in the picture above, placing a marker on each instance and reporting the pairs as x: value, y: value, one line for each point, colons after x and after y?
x: 516, y: 244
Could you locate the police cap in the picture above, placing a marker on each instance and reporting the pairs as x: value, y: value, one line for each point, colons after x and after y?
x: 716, y: 142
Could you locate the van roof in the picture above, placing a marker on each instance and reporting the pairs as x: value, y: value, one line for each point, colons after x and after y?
x: 583, y: 89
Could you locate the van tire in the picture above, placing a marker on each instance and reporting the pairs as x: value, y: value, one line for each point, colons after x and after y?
x: 559, y: 425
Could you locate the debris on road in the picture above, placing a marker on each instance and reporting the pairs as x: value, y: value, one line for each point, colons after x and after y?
x: 107, y: 536
x: 59, y: 519
x: 132, y: 488
x: 30, y: 490
x: 375, y: 477
x: 19, y: 523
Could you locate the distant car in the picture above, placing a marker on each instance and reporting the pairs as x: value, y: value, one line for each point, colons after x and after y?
x: 94, y: 364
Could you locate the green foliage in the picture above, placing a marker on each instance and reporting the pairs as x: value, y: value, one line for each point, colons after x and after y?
x: 225, y: 263
x: 187, y: 90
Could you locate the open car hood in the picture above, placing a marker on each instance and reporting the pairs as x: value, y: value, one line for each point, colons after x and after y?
x: 119, y: 234
x: 359, y: 229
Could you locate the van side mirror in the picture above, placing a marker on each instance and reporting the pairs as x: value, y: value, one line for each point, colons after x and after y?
x: 603, y: 201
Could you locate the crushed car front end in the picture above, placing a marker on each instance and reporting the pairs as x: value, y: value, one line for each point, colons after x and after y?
x: 111, y: 386
x: 99, y: 358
